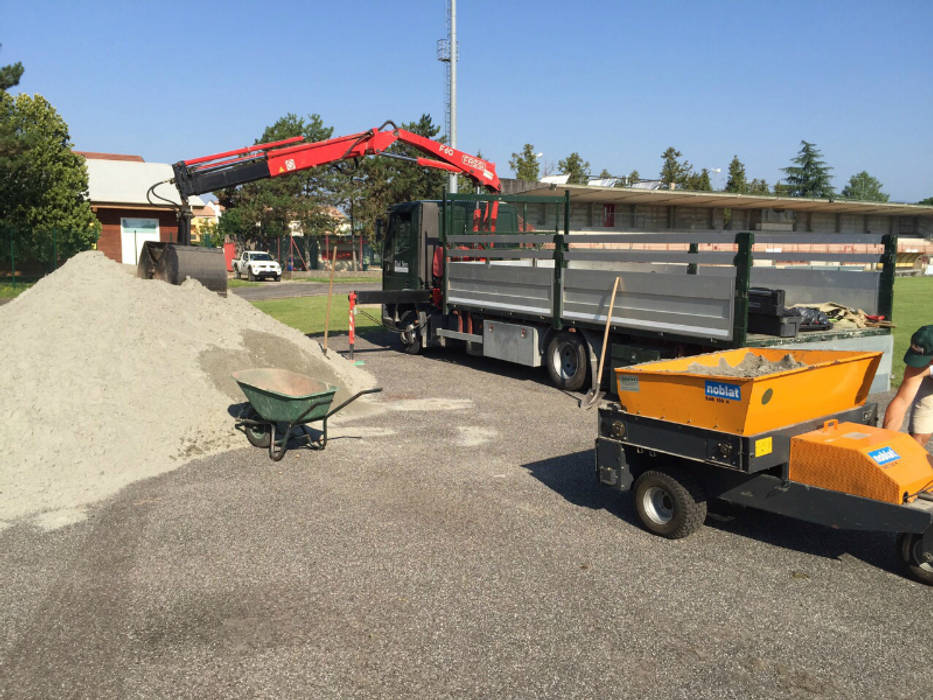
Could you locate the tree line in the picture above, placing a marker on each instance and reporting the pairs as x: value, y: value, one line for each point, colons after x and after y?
x: 808, y: 175
x: 46, y: 216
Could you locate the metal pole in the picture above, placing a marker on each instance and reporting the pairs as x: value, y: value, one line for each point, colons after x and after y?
x: 352, y: 322
x: 452, y: 186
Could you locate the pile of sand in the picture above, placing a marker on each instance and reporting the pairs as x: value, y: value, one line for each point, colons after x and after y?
x: 109, y: 379
x: 751, y: 365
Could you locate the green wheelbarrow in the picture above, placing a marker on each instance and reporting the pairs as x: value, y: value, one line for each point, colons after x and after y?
x: 279, y: 398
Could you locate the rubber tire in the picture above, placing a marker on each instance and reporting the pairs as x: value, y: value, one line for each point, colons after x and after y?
x: 236, y: 271
x: 411, y: 342
x: 920, y: 571
x: 249, y: 274
x: 258, y: 436
x: 567, y: 351
x: 278, y: 278
x: 669, y: 503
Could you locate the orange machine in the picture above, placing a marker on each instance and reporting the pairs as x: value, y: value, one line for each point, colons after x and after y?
x: 861, y: 460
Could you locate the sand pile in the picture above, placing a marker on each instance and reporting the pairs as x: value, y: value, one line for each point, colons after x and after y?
x: 751, y: 365
x: 109, y: 379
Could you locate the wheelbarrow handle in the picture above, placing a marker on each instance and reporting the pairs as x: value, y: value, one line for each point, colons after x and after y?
x: 354, y: 398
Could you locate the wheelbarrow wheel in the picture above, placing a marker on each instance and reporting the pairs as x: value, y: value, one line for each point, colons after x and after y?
x: 258, y: 435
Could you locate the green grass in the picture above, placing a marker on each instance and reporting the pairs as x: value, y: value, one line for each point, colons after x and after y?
x: 913, y: 307
x: 307, y: 314
x: 8, y: 290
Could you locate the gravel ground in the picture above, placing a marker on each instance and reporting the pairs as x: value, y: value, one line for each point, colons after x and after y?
x: 458, y: 547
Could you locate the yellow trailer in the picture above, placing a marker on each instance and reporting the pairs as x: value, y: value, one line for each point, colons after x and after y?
x: 790, y: 434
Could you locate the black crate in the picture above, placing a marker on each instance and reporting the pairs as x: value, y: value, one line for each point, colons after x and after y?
x: 765, y: 301
x: 769, y: 324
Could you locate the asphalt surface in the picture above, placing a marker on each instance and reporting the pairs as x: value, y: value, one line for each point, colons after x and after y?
x: 461, y: 551
x: 287, y: 290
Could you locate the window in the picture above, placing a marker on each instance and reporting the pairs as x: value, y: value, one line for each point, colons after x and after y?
x: 609, y: 215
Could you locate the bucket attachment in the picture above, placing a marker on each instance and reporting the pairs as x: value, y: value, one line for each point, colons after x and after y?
x: 174, y: 263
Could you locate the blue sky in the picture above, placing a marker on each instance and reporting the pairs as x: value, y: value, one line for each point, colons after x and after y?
x: 617, y: 82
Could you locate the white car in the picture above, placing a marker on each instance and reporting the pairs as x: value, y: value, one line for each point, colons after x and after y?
x: 256, y: 264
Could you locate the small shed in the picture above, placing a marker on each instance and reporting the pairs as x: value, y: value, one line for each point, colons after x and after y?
x: 119, y: 192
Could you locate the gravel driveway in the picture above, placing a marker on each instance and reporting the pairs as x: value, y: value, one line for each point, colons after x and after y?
x: 457, y: 545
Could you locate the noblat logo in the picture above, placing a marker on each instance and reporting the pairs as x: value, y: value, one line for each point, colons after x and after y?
x: 883, y: 455
x: 721, y: 390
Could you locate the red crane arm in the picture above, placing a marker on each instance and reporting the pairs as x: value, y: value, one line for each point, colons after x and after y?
x: 230, y: 168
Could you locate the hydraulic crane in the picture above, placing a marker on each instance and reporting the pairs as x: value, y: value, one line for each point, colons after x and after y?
x: 175, y: 262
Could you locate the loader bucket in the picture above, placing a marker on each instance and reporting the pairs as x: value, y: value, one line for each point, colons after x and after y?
x: 174, y: 263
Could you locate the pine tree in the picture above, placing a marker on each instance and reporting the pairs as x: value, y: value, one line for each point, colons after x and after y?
x: 525, y: 164
x: 865, y: 188
x: 737, y: 182
x: 674, y: 171
x: 810, y: 176
x: 576, y: 167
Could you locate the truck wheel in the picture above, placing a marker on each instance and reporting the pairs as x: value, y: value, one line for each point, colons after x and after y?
x: 670, y: 504
x: 249, y: 274
x: 908, y: 549
x: 411, y: 340
x: 236, y: 272
x: 566, y: 361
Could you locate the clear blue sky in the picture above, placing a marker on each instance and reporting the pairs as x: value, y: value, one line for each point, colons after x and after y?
x: 617, y: 82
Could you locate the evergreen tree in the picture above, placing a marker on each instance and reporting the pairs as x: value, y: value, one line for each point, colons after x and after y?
x: 44, y: 184
x: 525, y: 164
x: 757, y: 186
x: 699, y: 182
x: 737, y: 182
x: 632, y: 178
x: 674, y: 171
x: 576, y: 167
x: 810, y: 176
x: 865, y: 188
x: 10, y: 75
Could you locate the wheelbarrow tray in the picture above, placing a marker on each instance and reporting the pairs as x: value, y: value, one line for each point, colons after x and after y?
x: 282, y: 396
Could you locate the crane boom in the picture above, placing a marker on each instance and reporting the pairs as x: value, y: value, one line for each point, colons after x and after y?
x: 264, y: 160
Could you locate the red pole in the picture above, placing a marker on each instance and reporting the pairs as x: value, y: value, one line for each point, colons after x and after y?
x: 352, y: 324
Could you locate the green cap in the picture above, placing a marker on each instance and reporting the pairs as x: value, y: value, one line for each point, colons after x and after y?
x: 920, y: 352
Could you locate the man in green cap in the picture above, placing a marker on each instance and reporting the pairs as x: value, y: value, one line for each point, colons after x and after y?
x: 916, y: 388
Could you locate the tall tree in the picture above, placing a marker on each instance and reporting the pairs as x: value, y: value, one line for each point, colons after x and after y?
x: 576, y: 167
x: 673, y: 170
x: 864, y: 187
x: 525, y: 164
x: 267, y: 208
x: 43, y: 189
x: 632, y: 178
x: 737, y: 182
x: 699, y: 182
x: 10, y: 75
x: 810, y: 176
x: 757, y: 186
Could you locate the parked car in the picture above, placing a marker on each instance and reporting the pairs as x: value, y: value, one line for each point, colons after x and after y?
x: 256, y: 264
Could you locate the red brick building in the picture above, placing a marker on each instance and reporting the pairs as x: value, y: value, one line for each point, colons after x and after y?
x: 117, y: 187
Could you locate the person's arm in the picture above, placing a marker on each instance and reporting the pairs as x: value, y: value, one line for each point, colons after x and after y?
x: 900, y: 404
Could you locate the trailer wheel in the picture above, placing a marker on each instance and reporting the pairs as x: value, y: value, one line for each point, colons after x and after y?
x: 908, y: 548
x: 670, y: 504
x: 566, y: 361
x: 411, y: 339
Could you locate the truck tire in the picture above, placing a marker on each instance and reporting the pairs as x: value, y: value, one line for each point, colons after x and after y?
x: 411, y: 340
x: 908, y: 547
x: 566, y: 360
x: 249, y: 274
x: 236, y: 271
x: 670, y: 503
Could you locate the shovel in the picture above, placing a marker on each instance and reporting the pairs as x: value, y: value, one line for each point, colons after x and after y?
x: 592, y: 396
